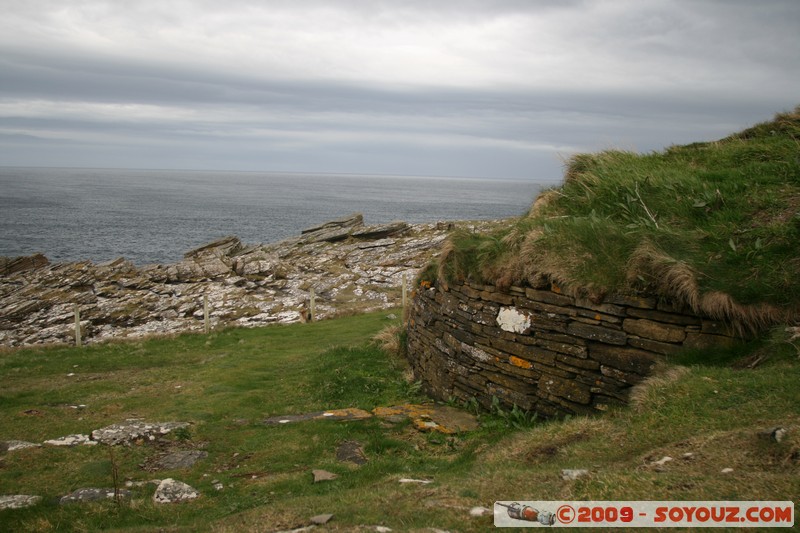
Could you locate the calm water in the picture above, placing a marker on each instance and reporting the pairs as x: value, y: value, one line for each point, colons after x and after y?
x: 154, y: 216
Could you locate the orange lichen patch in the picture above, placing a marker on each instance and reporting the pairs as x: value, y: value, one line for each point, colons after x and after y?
x: 555, y: 288
x: 598, y: 317
x: 521, y: 363
x: 345, y: 414
x: 407, y: 410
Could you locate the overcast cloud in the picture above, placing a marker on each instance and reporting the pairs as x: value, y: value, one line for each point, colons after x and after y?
x: 494, y: 88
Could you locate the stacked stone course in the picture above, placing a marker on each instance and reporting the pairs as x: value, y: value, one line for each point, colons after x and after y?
x: 544, y: 350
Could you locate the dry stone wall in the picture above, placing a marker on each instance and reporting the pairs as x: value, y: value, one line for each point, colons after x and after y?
x: 543, y: 350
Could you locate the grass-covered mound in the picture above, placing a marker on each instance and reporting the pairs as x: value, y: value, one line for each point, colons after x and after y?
x: 714, y: 225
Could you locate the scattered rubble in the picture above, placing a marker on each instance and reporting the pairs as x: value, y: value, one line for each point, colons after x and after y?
x: 93, y: 495
x: 349, y: 265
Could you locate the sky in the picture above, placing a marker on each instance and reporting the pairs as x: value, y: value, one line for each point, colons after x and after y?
x: 473, y: 88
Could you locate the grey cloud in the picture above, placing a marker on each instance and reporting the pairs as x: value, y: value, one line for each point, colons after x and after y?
x: 636, y: 75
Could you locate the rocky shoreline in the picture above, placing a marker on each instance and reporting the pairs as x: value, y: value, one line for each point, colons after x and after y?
x: 351, y: 267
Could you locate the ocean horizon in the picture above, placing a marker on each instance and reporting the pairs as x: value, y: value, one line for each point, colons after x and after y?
x: 155, y: 216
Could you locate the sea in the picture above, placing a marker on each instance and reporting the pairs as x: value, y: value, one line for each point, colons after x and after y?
x: 155, y: 216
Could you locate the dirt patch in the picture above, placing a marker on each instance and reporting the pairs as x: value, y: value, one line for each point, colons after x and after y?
x: 550, y: 449
x: 788, y: 207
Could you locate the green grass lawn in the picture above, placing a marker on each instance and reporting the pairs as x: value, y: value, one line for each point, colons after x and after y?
x: 225, y: 384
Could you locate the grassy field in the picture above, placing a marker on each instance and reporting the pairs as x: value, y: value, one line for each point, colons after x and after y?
x: 715, y: 225
x: 227, y: 383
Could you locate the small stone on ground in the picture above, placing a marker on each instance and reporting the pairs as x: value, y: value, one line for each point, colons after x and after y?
x: 775, y: 434
x: 172, y: 491
x: 321, y: 519
x: 571, y: 474
x: 661, y: 462
x: 323, y: 475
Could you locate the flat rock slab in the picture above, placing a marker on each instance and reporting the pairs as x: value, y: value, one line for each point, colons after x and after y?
x: 92, y: 495
x: 334, y: 414
x: 133, y: 430
x: 349, y: 221
x: 452, y: 420
x: 351, y: 451
x: 14, y: 445
x: 179, y: 460
x: 380, y: 231
x: 425, y: 417
x: 173, y: 491
x: 18, y: 501
x: 71, y: 440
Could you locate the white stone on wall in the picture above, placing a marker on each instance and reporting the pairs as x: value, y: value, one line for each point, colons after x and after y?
x: 512, y: 320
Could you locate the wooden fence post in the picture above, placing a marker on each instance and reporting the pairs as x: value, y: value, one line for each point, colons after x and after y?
x: 205, y: 314
x: 312, y: 305
x: 77, y: 326
x: 404, y: 292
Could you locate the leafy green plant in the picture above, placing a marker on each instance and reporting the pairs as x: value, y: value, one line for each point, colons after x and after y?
x: 514, y: 418
x: 182, y: 434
